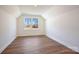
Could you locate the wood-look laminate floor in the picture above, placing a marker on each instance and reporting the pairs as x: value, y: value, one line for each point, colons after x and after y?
x: 36, y: 45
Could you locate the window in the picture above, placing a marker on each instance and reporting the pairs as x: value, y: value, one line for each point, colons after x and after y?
x: 30, y: 23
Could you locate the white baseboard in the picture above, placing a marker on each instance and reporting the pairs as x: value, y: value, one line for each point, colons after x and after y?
x: 31, y: 35
x: 74, y: 48
x: 6, y: 45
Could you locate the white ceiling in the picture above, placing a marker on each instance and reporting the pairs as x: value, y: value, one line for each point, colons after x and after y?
x: 34, y: 10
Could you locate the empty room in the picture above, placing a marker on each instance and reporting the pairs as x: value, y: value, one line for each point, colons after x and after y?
x: 39, y: 29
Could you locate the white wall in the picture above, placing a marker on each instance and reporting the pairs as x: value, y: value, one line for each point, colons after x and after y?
x: 8, y: 16
x: 62, y: 24
x: 30, y: 32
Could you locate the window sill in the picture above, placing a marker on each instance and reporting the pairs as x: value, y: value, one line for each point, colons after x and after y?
x: 31, y: 28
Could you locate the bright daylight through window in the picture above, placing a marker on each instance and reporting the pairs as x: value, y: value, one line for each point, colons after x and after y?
x: 30, y: 23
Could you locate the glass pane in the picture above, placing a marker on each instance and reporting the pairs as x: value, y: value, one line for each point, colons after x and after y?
x: 35, y: 23
x: 27, y: 22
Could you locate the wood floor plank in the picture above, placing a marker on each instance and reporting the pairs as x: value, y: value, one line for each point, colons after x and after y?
x: 36, y: 45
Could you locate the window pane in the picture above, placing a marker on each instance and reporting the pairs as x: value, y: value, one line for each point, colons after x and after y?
x: 27, y: 22
x: 35, y: 23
